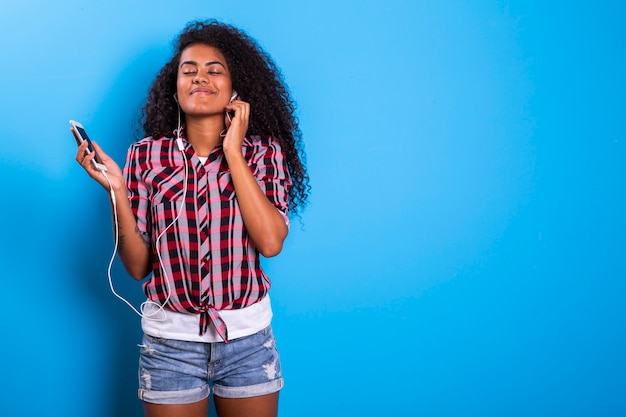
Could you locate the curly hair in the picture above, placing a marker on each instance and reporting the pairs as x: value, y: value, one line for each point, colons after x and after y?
x: 255, y: 77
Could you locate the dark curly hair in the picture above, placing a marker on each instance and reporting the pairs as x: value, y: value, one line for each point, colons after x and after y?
x: 258, y: 81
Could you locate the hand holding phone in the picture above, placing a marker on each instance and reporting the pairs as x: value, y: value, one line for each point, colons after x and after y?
x: 80, y: 134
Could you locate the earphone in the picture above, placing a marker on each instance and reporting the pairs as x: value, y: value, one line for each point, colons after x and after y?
x: 232, y: 98
x: 181, y: 146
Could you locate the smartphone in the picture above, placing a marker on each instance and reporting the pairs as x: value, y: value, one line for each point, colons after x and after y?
x: 80, y: 134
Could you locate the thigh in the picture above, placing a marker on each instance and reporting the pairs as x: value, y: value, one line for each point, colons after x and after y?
x: 261, y: 406
x: 198, y: 409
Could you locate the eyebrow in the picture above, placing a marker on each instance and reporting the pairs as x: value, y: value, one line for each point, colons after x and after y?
x: 206, y: 65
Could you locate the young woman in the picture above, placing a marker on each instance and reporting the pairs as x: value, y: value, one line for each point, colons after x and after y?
x: 205, y: 194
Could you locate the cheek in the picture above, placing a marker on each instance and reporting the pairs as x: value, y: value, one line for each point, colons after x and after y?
x: 222, y: 82
x: 186, y: 105
x: 181, y: 97
x: 180, y: 86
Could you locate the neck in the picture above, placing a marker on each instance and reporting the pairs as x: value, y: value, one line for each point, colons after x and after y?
x: 203, y: 133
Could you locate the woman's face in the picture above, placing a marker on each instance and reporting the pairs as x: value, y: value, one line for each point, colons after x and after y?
x: 203, y: 83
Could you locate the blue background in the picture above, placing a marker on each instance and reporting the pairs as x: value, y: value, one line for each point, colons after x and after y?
x: 463, y: 250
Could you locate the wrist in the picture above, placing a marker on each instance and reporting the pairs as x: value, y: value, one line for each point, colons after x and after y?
x: 119, y: 191
x: 233, y: 152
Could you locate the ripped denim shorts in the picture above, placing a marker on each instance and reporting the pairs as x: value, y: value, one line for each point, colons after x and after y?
x: 179, y: 372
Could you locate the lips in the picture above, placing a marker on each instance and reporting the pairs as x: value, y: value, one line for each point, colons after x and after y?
x: 201, y: 91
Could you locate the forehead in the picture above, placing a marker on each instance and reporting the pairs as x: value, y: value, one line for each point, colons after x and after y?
x: 201, y: 54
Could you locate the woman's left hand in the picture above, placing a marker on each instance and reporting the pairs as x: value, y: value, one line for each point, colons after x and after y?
x: 236, y: 124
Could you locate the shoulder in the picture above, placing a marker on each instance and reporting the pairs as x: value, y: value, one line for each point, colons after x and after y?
x: 265, y: 155
x: 149, y: 147
x: 262, y: 144
x: 150, y: 150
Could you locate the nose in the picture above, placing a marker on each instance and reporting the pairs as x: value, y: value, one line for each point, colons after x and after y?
x: 200, y: 78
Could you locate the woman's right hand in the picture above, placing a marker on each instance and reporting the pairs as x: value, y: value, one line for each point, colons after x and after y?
x: 113, y: 170
x: 133, y: 249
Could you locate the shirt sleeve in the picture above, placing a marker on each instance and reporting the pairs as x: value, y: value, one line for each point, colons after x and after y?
x: 272, y: 175
x: 137, y: 192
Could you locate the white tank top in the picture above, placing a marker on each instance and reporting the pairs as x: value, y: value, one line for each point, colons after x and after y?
x: 241, y: 322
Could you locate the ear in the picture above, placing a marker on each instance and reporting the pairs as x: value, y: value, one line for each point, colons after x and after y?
x: 234, y: 96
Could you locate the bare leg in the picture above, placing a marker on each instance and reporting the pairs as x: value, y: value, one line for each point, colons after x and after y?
x: 199, y: 409
x: 261, y: 406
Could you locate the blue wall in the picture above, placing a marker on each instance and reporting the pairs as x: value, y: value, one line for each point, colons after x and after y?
x: 463, y: 251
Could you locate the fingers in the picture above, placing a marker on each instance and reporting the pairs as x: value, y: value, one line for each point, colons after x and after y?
x: 240, y: 108
x: 81, y: 154
x: 86, y: 158
x: 238, y: 114
x: 237, y: 126
x: 101, y: 154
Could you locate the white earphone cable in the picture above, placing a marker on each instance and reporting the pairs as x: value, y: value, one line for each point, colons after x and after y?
x: 141, y: 311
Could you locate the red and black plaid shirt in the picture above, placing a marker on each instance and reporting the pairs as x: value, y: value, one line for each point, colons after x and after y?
x: 208, y: 261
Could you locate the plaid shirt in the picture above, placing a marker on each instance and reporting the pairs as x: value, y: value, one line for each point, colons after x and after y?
x: 208, y: 262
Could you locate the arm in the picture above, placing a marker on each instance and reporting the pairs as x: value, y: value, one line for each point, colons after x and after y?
x: 134, y: 252
x: 264, y: 223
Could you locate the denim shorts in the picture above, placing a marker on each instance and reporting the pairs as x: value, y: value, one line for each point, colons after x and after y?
x: 179, y: 372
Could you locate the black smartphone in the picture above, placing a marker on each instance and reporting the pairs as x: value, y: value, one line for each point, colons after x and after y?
x: 80, y: 134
